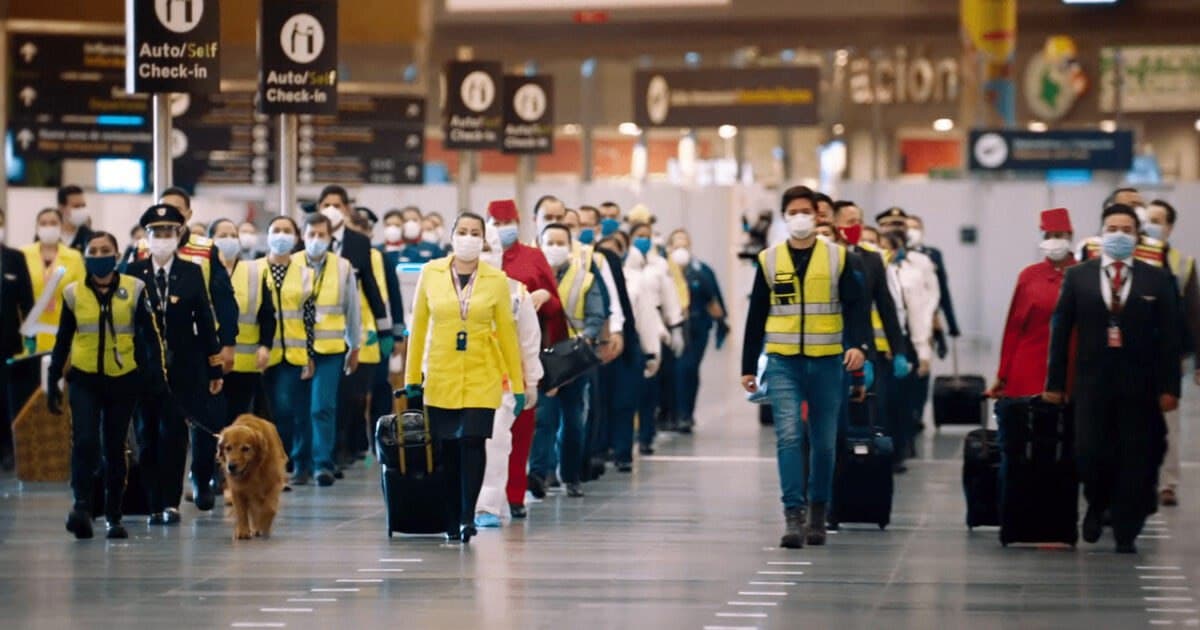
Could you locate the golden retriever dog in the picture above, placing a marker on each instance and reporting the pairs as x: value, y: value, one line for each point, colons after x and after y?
x: 252, y: 456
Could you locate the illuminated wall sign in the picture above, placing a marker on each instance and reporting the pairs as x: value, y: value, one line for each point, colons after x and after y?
x: 896, y: 78
x: 1156, y: 78
x: 468, y: 6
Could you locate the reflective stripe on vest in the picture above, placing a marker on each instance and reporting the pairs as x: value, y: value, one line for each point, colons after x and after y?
x: 369, y: 351
x: 247, y: 280
x: 329, y: 331
x: 290, y: 339
x: 119, y: 356
x: 1150, y: 252
x: 1182, y: 268
x: 572, y: 290
x: 881, y: 340
x: 808, y: 318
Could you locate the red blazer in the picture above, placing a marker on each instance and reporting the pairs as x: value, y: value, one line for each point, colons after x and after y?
x: 1026, y: 346
x: 528, y: 266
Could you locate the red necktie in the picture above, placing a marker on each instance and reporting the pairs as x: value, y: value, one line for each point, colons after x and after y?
x: 1117, y: 282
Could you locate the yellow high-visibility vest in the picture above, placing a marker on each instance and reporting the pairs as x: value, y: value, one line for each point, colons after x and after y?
x: 247, y: 280
x: 329, y: 332
x: 572, y: 290
x: 291, y: 341
x: 1182, y: 267
x: 370, y: 352
x: 881, y: 340
x: 39, y: 273
x: 681, y: 286
x: 805, y: 317
x: 119, y: 356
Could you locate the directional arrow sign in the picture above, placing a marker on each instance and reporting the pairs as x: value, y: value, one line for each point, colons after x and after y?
x: 25, y: 138
x: 28, y: 96
x: 28, y: 52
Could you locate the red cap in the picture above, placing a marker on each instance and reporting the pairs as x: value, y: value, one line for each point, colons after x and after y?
x: 1056, y: 220
x: 503, y: 210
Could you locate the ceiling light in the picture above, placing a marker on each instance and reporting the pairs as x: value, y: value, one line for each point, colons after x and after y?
x: 1037, y: 126
x: 1108, y: 126
x: 727, y: 131
x: 839, y: 129
x: 570, y: 129
x: 1198, y: 124
x: 629, y: 129
x: 943, y: 124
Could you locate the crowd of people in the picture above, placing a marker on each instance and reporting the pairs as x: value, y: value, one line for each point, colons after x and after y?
x: 307, y: 325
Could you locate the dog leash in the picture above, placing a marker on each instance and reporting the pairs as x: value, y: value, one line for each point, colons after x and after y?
x: 196, y: 425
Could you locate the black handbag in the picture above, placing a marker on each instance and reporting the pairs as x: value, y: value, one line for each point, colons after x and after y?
x: 566, y: 361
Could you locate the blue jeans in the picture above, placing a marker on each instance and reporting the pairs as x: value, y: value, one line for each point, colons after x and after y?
x: 560, y: 428
x: 624, y: 381
x: 287, y: 394
x: 316, y: 415
x: 805, y: 451
x: 687, y: 372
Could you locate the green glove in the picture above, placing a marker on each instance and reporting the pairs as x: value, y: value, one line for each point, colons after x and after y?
x: 387, y: 344
x: 30, y: 345
x: 519, y: 405
x: 372, y: 338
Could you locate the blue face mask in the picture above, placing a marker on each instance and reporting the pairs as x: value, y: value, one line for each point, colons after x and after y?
x: 1118, y: 245
x: 642, y: 244
x: 280, y: 243
x: 608, y: 227
x: 316, y: 247
x: 508, y: 235
x: 100, y: 266
x: 1153, y: 230
x: 587, y: 236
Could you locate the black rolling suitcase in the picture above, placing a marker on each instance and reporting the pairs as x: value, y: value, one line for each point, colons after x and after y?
x: 1039, y: 500
x: 413, y: 484
x: 981, y: 476
x: 959, y: 399
x: 862, y: 481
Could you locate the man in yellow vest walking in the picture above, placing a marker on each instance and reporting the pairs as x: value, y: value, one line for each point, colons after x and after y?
x: 810, y: 313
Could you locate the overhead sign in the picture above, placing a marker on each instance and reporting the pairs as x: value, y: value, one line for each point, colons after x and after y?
x: 71, y: 79
x: 898, y: 77
x: 172, y: 46
x: 1154, y: 78
x: 1054, y: 79
x: 372, y: 140
x: 528, y: 114
x: 473, y: 110
x: 298, y: 57
x: 84, y: 141
x: 491, y: 6
x: 710, y: 98
x: 219, y: 138
x: 1002, y: 150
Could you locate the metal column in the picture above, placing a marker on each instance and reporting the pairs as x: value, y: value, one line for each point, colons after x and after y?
x: 466, y: 159
x: 287, y: 164
x: 161, y: 113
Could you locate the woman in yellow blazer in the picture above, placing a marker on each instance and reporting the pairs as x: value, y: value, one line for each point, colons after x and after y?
x: 463, y: 314
x: 43, y: 257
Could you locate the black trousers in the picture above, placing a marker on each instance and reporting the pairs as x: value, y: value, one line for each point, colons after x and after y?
x: 351, y: 435
x: 464, y: 460
x: 163, y: 436
x: 101, y: 410
x: 1121, y: 443
x: 6, y: 414
x: 245, y: 392
x: 666, y: 390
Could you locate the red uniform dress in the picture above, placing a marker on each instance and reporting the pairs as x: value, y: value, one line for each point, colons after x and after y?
x: 1026, y: 345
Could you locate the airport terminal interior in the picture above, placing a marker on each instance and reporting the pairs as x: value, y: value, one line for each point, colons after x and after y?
x: 600, y: 314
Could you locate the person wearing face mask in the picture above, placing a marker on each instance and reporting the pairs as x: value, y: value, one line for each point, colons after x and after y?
x: 809, y: 312
x: 1148, y: 249
x: 1026, y: 339
x: 403, y: 234
x: 1160, y: 225
x: 248, y: 240
x: 244, y: 390
x: 658, y: 401
x: 528, y: 266
x: 707, y: 309
x: 286, y: 376
x: 463, y: 316
x: 493, y: 506
x: 43, y: 258
x: 109, y: 334
x: 433, y: 231
x: 561, y: 413
x: 77, y: 221
x: 16, y: 301
x: 194, y: 368
x: 1115, y: 337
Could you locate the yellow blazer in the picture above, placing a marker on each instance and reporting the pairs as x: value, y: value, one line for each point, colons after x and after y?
x: 463, y: 379
x: 38, y: 276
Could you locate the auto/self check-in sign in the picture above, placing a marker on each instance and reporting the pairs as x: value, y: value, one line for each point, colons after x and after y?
x: 298, y: 57
x: 172, y: 46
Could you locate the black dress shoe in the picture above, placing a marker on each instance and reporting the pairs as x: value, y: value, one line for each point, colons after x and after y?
x: 575, y: 490
x: 645, y: 449
x: 171, y: 516
x: 553, y: 482
x: 1126, y: 547
x: 517, y: 511
x: 115, y: 531
x: 1092, y: 526
x: 899, y: 468
x: 203, y: 496
x: 157, y: 518
x: 340, y: 473
x: 79, y: 522
x: 537, y: 486
x: 624, y: 467
x: 467, y: 533
x: 325, y: 478
x: 684, y: 428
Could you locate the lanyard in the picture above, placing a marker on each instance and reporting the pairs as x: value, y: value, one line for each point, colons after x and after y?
x: 463, y: 293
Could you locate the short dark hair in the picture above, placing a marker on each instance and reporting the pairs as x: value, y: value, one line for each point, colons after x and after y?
x: 868, y: 228
x: 1171, y: 216
x: 105, y: 235
x: 637, y: 226
x: 558, y: 226
x: 179, y: 192
x: 133, y: 230
x: 315, y: 219
x: 1112, y: 197
x: 620, y: 236
x: 574, y: 212
x: 895, y: 238
x: 822, y: 197
x: 592, y: 210
x: 65, y: 193
x: 842, y: 204
x: 1120, y: 208
x: 610, y: 204
x: 537, y: 205
x: 212, y: 227
x: 797, y: 192
x: 470, y: 215
x: 393, y: 213
x: 284, y: 217
x: 44, y: 211
x: 334, y: 189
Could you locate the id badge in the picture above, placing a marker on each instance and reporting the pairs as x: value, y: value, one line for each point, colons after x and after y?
x: 1114, y: 336
x: 461, y: 342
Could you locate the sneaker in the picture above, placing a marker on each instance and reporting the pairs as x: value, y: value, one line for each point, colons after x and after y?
x: 795, y: 528
x: 517, y: 511
x: 157, y: 518
x: 537, y: 486
x: 484, y: 520
x: 171, y: 516
x: 325, y: 478
x: 299, y: 479
x: 645, y: 449
x: 114, y: 530
x: 624, y: 467
x: 575, y: 490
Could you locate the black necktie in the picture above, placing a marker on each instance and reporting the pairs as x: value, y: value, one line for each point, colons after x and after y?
x: 160, y: 281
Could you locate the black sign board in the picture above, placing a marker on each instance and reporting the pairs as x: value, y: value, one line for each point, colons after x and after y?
x: 528, y: 114
x: 172, y: 46
x: 219, y: 138
x: 473, y: 114
x: 1004, y: 150
x: 372, y: 140
x: 84, y: 141
x: 298, y: 42
x: 71, y: 79
x: 710, y: 98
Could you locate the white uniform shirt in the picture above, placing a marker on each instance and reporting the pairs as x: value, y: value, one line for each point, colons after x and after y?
x: 914, y: 287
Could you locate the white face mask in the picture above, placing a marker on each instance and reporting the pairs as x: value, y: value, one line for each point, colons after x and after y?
x: 1055, y: 249
x: 229, y: 246
x: 467, y: 247
x: 334, y: 215
x: 393, y: 234
x: 79, y: 216
x: 801, y: 226
x: 681, y: 257
x: 49, y: 234
x: 556, y: 255
x: 431, y: 236
x: 248, y: 241
x: 914, y: 237
x: 411, y: 230
x: 161, y: 248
